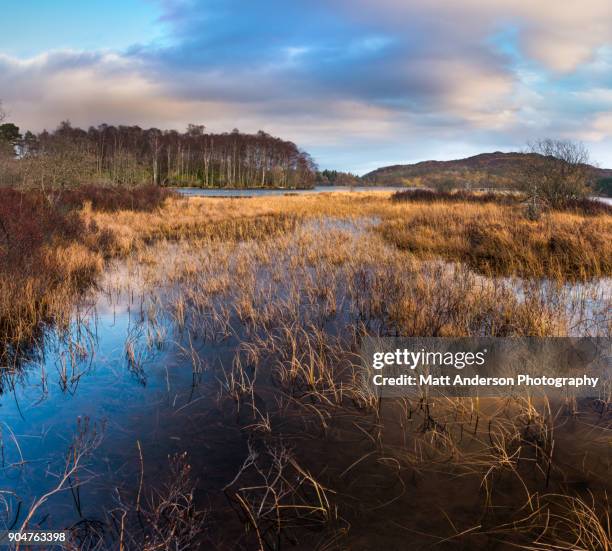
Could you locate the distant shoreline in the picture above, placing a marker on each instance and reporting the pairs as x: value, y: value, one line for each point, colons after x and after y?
x: 235, y: 188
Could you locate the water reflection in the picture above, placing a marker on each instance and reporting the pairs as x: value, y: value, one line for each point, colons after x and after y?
x: 223, y: 192
x: 136, y: 377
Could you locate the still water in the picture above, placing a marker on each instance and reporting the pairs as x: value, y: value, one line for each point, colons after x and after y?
x: 228, y: 192
x: 123, y: 380
x: 119, y: 388
x: 222, y: 192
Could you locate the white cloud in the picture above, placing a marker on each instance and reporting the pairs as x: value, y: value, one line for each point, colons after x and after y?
x: 559, y: 34
x: 600, y: 128
x: 404, y: 72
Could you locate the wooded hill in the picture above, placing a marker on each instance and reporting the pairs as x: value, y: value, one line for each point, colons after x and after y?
x: 485, y: 170
x: 131, y: 155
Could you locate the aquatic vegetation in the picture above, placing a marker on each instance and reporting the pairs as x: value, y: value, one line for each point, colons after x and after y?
x: 501, y: 241
x: 296, y: 305
x: 258, y: 307
x: 585, y: 205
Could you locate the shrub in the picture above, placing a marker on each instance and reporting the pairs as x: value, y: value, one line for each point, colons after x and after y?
x: 586, y: 205
x: 460, y: 196
x: 106, y: 198
x: 49, y: 253
x: 27, y: 222
x: 604, y: 187
x: 583, y: 205
x: 556, y: 171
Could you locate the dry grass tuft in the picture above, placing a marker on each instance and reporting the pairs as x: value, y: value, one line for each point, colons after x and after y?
x: 499, y: 240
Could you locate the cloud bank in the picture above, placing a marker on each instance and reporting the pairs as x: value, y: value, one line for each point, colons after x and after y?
x: 358, y: 83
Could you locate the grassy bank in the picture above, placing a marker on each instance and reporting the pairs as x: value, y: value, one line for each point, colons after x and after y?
x: 500, y: 240
x: 584, y: 205
x: 50, y: 250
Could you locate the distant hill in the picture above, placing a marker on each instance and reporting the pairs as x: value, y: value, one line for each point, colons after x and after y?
x: 485, y: 170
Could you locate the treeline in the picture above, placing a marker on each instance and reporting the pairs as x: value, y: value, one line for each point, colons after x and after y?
x: 337, y: 178
x: 130, y: 155
x: 604, y: 187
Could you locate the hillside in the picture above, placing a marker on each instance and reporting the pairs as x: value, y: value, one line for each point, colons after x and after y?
x: 487, y: 170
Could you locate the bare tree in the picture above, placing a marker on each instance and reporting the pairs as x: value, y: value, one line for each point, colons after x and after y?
x: 556, y: 171
x: 130, y: 155
x: 6, y: 175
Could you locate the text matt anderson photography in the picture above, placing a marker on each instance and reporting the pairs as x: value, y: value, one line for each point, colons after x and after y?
x: 324, y: 275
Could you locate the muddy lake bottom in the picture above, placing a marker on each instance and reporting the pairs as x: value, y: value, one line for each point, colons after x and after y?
x: 147, y: 377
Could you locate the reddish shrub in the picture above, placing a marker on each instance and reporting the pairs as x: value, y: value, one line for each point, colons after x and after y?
x: 36, y: 230
x: 27, y: 221
x: 431, y: 196
x: 585, y: 205
x: 141, y: 198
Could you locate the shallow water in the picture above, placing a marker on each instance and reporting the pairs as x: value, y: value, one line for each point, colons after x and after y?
x: 228, y: 192
x: 123, y: 371
x: 222, y: 192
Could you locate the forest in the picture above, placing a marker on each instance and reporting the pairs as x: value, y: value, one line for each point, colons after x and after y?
x: 131, y: 155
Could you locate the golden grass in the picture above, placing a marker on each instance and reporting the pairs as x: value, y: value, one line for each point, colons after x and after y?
x: 494, y: 239
x: 458, y: 472
x: 296, y: 292
x: 500, y: 240
x: 192, y: 218
x: 44, y: 293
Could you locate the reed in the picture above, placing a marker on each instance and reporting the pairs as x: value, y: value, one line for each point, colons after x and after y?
x: 291, y: 285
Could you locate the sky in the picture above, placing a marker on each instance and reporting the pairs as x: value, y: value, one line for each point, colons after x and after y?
x: 358, y: 84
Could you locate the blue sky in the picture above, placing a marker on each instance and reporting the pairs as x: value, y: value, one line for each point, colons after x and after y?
x: 33, y: 27
x: 357, y: 83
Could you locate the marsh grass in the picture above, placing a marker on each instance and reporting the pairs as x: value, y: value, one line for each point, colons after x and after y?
x: 291, y: 286
x: 493, y: 238
x: 498, y: 240
x: 275, y: 496
x: 296, y: 304
x: 585, y: 205
x: 161, y: 516
x: 51, y: 250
